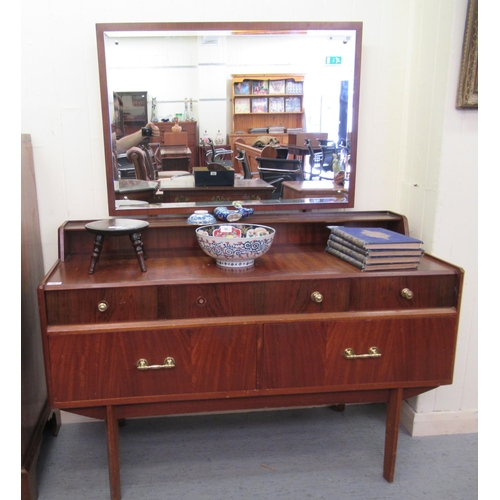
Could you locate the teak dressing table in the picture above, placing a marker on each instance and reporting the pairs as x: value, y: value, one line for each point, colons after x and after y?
x: 189, y: 337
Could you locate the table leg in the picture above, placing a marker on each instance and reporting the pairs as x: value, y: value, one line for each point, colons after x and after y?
x: 392, y: 433
x: 96, y: 252
x: 135, y: 238
x: 113, y: 453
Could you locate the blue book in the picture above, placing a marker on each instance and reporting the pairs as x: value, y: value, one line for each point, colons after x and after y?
x: 372, y: 238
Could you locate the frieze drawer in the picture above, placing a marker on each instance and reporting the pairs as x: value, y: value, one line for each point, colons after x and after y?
x: 256, y: 298
x: 151, y: 363
x: 341, y: 353
x: 403, y: 292
x: 102, y: 305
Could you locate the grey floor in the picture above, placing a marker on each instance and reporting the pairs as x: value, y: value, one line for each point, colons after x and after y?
x: 294, y: 454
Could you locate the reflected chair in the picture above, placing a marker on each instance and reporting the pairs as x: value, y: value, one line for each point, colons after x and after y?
x: 137, y: 157
x: 217, y: 155
x: 242, y: 158
x: 325, y: 142
x: 315, y: 160
x: 276, y: 170
x: 329, y: 157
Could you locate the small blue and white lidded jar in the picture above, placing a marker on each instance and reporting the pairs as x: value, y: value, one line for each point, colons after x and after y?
x: 201, y: 218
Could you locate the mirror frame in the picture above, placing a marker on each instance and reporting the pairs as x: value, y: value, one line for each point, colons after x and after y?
x: 304, y: 204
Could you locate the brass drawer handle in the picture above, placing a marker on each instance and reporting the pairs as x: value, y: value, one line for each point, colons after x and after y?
x: 102, y: 306
x: 142, y: 364
x: 373, y: 352
x: 407, y: 293
x: 316, y: 297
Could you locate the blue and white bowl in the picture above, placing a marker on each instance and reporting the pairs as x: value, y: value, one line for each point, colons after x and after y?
x: 201, y: 218
x: 235, y: 246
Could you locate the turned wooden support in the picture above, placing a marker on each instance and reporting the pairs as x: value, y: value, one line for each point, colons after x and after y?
x: 117, y: 227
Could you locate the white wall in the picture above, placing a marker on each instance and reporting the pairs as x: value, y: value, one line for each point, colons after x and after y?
x: 416, y: 151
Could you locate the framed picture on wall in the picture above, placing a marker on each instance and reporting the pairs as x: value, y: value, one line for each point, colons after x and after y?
x: 468, y: 86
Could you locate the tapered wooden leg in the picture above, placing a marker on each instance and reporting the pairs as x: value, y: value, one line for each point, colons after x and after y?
x: 392, y: 433
x: 96, y: 252
x: 113, y: 453
x: 135, y: 238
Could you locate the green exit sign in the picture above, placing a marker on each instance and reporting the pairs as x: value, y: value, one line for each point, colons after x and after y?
x: 333, y: 60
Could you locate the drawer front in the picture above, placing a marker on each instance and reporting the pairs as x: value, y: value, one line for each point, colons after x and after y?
x: 96, y: 366
x: 104, y: 305
x: 312, y: 355
x: 403, y: 292
x: 248, y: 299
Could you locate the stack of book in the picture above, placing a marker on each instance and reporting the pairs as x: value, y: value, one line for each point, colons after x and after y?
x: 276, y: 129
x: 293, y: 130
x: 374, y: 248
x: 260, y: 130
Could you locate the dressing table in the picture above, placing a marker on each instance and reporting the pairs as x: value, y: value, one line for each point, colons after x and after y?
x: 298, y: 329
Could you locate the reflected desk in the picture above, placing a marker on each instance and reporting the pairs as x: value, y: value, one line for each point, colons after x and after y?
x: 175, y: 157
x: 135, y: 189
x: 313, y: 189
x: 183, y: 190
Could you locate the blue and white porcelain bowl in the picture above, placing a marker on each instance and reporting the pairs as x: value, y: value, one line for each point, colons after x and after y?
x: 201, y: 218
x: 235, y: 246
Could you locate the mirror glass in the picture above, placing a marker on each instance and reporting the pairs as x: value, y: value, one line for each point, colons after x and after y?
x: 186, y: 70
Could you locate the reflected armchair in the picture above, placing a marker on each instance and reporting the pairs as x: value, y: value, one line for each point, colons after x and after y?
x: 276, y: 170
x: 217, y: 155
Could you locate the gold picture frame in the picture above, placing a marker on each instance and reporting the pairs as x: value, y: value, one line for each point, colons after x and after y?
x: 468, y: 87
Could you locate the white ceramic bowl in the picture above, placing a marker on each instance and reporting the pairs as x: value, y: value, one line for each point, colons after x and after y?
x: 235, y: 246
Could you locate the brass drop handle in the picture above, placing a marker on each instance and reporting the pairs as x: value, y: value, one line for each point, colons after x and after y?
x: 102, y: 306
x: 373, y: 352
x: 143, y: 364
x: 407, y: 293
x: 316, y: 297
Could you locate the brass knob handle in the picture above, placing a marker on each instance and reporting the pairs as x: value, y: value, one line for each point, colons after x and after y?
x: 407, y: 293
x: 143, y: 364
x: 373, y: 352
x: 102, y: 306
x: 316, y: 297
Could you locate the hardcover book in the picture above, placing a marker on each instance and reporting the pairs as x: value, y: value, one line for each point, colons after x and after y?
x: 375, y: 237
x: 416, y: 252
x: 372, y: 258
x: 371, y: 267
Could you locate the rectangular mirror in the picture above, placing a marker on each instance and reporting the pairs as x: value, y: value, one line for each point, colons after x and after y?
x: 189, y: 69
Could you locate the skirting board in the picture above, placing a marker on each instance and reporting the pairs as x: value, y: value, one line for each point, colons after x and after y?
x: 438, y: 423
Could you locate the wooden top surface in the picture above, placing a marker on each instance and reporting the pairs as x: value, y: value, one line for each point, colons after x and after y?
x: 193, y: 266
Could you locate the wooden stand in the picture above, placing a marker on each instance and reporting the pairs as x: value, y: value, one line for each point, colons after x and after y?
x: 296, y: 330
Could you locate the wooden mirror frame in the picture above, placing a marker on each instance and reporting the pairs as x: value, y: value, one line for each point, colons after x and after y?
x: 305, y: 204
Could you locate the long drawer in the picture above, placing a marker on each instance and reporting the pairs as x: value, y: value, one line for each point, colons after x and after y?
x: 314, y: 354
x: 248, y: 299
x: 88, y: 367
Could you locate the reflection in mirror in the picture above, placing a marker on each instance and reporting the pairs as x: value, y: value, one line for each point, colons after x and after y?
x: 290, y: 84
